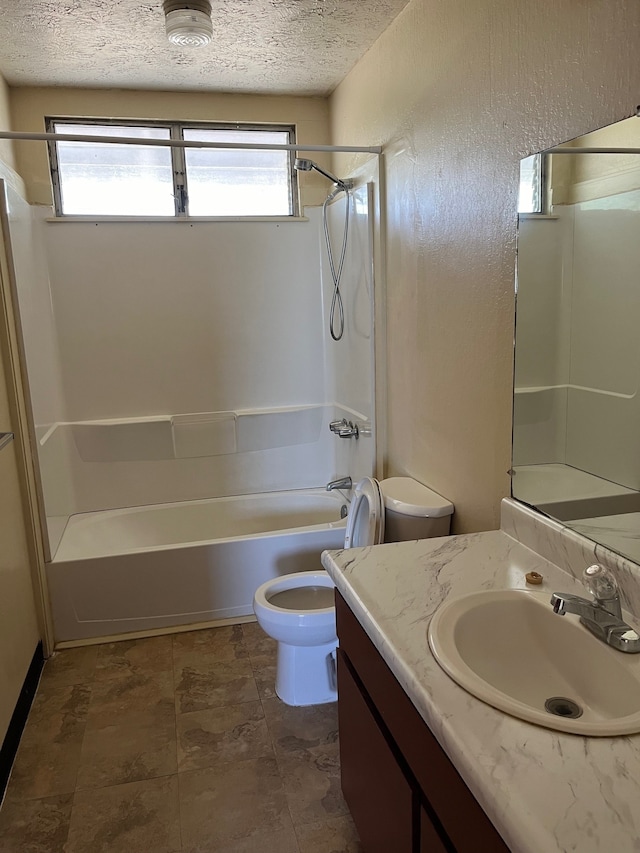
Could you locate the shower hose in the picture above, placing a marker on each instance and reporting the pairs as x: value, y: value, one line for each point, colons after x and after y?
x: 336, y: 314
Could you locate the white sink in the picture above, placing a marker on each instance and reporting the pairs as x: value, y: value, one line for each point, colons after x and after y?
x: 509, y: 648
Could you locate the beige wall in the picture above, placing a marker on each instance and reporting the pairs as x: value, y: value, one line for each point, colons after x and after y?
x: 457, y: 92
x: 29, y: 106
x: 6, y: 146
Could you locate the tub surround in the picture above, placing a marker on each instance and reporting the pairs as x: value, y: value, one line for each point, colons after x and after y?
x: 542, y: 790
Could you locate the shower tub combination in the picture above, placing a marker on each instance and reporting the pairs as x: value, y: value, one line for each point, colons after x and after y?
x: 182, y: 564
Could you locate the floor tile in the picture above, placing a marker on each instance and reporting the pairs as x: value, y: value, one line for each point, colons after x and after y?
x: 265, y: 677
x: 35, y: 826
x: 262, y: 654
x: 294, y: 729
x: 134, y: 818
x: 48, y: 757
x: 70, y: 666
x: 127, y: 748
x: 212, y: 645
x: 201, y: 685
x: 44, y: 769
x: 131, y: 693
x: 337, y: 835
x: 130, y: 657
x: 312, y: 783
x: 58, y: 714
x: 280, y: 842
x: 259, y: 644
x: 230, y: 802
x: 228, y: 734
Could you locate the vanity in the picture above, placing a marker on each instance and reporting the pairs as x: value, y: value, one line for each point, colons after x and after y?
x: 427, y: 766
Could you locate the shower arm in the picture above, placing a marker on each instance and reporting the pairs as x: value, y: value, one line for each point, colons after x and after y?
x: 343, y: 185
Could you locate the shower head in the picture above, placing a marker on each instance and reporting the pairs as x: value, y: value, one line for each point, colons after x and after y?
x: 302, y: 165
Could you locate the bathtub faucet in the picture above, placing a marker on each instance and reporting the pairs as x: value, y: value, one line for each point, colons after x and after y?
x: 344, y: 428
x: 342, y: 483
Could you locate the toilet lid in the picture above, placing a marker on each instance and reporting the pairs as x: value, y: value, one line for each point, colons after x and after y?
x: 365, y: 522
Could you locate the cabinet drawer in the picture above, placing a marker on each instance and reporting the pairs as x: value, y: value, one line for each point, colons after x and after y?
x: 440, y: 783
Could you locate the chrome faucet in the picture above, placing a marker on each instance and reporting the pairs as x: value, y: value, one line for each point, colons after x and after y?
x: 342, y: 483
x: 344, y: 428
x: 603, y: 615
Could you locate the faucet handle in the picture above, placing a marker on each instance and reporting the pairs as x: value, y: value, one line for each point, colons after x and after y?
x: 600, y: 582
x: 603, y: 586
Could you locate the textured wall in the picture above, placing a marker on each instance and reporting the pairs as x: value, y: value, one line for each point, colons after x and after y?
x: 457, y: 92
x: 29, y: 106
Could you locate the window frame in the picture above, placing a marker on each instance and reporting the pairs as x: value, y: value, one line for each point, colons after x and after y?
x: 176, y: 130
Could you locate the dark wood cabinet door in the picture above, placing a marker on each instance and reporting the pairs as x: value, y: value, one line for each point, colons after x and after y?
x: 463, y: 824
x: 430, y: 841
x: 376, y: 791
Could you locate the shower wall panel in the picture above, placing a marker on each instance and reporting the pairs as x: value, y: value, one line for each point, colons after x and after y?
x: 349, y: 361
x: 169, y: 318
x: 107, y: 479
x: 191, y: 362
x: 42, y: 360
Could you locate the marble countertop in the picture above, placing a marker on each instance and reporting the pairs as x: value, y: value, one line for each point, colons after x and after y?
x: 543, y: 790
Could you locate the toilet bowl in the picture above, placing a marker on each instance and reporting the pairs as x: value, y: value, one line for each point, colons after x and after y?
x: 298, y: 609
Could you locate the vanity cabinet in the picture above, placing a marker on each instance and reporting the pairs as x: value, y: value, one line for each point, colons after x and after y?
x: 404, y: 793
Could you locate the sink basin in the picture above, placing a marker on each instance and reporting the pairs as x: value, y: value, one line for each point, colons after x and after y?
x: 509, y: 648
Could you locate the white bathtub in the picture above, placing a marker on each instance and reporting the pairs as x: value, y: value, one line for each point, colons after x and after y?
x: 170, y: 565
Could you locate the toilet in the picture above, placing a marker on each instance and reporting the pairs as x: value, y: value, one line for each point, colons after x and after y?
x: 298, y: 609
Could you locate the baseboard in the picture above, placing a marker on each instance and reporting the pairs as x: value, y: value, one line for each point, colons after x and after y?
x: 19, y: 718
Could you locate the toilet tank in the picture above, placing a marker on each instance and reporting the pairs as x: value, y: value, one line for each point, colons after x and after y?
x: 413, y: 511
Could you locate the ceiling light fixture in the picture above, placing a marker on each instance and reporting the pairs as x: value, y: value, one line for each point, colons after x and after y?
x: 188, y: 22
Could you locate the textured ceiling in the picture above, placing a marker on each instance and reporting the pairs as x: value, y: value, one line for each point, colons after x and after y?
x: 302, y: 47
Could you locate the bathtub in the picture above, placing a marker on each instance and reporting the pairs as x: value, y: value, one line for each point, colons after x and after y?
x: 170, y: 565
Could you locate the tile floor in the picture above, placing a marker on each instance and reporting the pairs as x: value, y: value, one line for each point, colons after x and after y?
x: 175, y: 744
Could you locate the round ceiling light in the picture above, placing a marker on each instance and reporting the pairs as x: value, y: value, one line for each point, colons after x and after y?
x: 188, y: 24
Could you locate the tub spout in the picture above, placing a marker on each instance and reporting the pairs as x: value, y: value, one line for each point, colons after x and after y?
x: 342, y: 483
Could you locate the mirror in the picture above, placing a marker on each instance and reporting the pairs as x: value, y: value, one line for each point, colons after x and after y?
x: 576, y: 440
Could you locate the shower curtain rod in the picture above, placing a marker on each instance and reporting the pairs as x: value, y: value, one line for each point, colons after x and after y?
x: 181, y: 143
x: 592, y: 151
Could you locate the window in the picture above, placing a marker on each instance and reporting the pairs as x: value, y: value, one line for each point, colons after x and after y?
x: 532, y: 179
x: 126, y: 179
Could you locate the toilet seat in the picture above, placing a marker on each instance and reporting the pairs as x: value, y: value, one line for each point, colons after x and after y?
x: 296, y: 580
x: 365, y: 523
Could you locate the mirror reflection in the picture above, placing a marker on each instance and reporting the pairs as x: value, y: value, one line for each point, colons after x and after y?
x: 576, y: 441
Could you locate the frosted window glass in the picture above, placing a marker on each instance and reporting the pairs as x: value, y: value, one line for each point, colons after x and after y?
x: 103, y: 179
x: 530, y: 195
x: 227, y: 182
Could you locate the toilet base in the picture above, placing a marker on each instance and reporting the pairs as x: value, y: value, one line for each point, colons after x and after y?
x: 306, y: 675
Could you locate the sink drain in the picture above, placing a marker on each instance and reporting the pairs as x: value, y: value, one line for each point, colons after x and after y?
x: 562, y: 707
